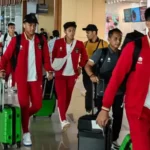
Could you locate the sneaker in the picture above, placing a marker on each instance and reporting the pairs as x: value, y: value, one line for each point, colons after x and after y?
x: 115, y: 146
x: 13, y: 89
x: 27, y: 139
x: 65, y: 125
x: 6, y: 85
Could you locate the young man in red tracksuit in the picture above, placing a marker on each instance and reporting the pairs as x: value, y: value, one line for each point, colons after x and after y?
x: 137, y: 97
x: 70, y: 56
x: 31, y: 58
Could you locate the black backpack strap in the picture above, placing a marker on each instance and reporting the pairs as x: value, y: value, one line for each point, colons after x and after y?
x: 98, y: 44
x: 5, y: 36
x: 16, y: 33
x: 103, y: 56
x: 99, y: 64
x: 40, y: 36
x: 102, y: 44
x: 86, y: 44
x: 136, y: 53
x: 135, y: 56
x: 16, y: 52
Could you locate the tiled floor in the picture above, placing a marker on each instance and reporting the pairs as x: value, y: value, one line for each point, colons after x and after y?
x: 46, y: 132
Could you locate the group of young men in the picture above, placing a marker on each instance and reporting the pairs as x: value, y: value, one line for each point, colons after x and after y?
x: 96, y: 60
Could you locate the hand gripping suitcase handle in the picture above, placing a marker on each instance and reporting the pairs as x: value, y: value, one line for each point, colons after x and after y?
x: 2, y: 83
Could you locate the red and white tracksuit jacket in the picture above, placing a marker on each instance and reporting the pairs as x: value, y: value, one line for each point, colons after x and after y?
x: 64, y: 84
x: 136, y: 91
x: 28, y: 90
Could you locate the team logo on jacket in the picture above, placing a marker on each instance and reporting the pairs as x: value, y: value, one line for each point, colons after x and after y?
x: 77, y: 50
x: 39, y: 46
x: 140, y: 60
x: 21, y: 47
x: 60, y: 48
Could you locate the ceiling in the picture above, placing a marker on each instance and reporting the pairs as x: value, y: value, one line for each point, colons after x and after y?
x: 126, y: 1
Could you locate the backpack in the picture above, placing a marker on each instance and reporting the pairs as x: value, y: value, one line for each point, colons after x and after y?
x: 4, y: 40
x: 136, y: 53
x: 17, y: 49
x: 5, y: 36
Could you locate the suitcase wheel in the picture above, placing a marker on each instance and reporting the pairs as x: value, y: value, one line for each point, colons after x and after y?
x: 19, y: 145
x: 5, y: 147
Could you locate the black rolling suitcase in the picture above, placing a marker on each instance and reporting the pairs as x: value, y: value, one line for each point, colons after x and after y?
x: 91, y: 136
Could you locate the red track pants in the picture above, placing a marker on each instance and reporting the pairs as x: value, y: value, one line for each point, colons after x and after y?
x: 64, y: 87
x: 29, y: 92
x: 140, y: 130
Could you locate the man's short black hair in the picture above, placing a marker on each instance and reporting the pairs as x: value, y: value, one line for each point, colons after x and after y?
x: 42, y: 29
x: 56, y: 33
x: 111, y: 32
x: 147, y: 14
x: 11, y: 24
x: 51, y: 37
x: 70, y: 24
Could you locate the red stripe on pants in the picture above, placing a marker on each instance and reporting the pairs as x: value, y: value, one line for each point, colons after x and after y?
x: 29, y: 92
x: 64, y: 87
x: 140, y: 130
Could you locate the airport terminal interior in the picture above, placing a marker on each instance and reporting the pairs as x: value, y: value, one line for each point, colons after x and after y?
x: 46, y: 133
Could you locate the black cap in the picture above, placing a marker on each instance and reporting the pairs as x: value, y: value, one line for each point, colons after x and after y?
x: 91, y: 27
x: 30, y: 18
x: 69, y: 24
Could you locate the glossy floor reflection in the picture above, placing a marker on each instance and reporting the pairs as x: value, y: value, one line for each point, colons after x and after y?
x: 46, y: 132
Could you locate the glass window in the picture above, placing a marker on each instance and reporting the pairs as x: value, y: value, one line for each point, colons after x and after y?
x: 11, y: 13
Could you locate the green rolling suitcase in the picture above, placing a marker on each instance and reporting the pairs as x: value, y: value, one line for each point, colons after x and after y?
x: 126, y: 144
x: 10, y: 122
x: 49, y: 99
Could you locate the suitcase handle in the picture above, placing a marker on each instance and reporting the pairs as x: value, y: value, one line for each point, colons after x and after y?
x: 51, y: 91
x: 2, y: 83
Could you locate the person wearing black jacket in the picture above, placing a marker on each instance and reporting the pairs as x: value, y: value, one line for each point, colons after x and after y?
x: 44, y: 33
x: 105, y: 60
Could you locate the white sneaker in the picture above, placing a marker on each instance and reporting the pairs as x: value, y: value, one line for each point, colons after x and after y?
x: 65, y: 125
x: 13, y: 89
x: 27, y: 139
x: 6, y: 85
